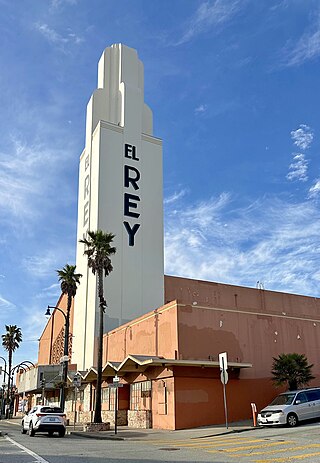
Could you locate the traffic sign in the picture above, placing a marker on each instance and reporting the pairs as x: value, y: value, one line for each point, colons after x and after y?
x: 76, y: 381
x: 223, y: 362
x: 116, y: 385
x: 224, y: 376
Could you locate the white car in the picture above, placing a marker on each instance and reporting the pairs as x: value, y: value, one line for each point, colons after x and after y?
x: 44, y: 418
x: 292, y: 407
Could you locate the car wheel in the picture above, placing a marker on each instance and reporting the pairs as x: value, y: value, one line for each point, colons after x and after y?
x: 31, y: 431
x: 62, y: 433
x: 292, y: 420
x: 23, y: 431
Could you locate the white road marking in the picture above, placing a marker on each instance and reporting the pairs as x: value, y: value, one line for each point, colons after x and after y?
x: 30, y: 452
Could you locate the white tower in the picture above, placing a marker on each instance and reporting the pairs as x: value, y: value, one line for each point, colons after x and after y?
x: 120, y: 191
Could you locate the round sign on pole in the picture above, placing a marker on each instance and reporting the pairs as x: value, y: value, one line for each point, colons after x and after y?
x: 224, y: 377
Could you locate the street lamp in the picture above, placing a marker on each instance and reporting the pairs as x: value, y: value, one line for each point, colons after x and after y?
x: 65, y: 352
x: 25, y: 365
x: 3, y: 385
x: 2, y: 400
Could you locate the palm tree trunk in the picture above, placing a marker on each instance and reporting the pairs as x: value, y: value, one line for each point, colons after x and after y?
x: 97, y: 411
x: 9, y: 377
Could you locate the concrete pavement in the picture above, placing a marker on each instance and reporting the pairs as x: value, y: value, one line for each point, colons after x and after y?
x: 126, y: 433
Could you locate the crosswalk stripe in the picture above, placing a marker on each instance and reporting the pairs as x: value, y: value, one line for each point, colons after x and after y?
x: 219, y: 444
x: 269, y: 452
x: 286, y: 459
x: 198, y: 440
x: 248, y: 447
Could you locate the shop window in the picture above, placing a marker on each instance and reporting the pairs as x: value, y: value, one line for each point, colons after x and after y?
x: 81, y: 395
x: 105, y: 395
x: 108, y: 397
x: 140, y: 396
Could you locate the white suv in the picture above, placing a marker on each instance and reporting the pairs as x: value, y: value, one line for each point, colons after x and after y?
x: 43, y: 418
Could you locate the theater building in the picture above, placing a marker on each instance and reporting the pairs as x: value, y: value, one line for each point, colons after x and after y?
x: 163, y: 334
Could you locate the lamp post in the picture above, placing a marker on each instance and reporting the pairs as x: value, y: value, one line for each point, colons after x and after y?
x: 3, y: 401
x: 65, y: 352
x: 3, y: 386
x: 25, y: 365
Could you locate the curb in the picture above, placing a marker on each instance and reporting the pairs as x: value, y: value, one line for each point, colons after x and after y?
x: 232, y: 431
x: 88, y: 435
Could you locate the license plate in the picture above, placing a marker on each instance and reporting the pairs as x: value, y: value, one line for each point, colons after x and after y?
x: 52, y: 419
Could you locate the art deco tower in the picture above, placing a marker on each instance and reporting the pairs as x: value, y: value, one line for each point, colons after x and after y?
x: 120, y: 191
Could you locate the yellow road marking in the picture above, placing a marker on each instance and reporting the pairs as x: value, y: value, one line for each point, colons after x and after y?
x: 200, y: 439
x: 291, y: 458
x: 248, y: 447
x: 219, y: 444
x: 269, y: 452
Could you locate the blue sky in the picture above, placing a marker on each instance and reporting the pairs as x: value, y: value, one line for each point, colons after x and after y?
x: 234, y: 88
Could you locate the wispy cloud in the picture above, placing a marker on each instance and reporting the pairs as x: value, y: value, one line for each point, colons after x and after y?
x: 51, y: 292
x: 302, y: 137
x: 175, y: 196
x: 27, y: 175
x: 4, y: 303
x: 271, y: 240
x: 44, y: 265
x: 57, y: 39
x: 210, y: 14
x: 307, y: 48
x: 59, y: 3
x: 298, y: 168
x: 200, y: 109
x: 314, y: 191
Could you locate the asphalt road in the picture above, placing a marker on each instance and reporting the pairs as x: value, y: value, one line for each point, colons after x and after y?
x: 273, y: 445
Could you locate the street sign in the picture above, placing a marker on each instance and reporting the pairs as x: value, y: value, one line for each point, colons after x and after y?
x: 116, y: 379
x: 115, y: 385
x: 224, y: 376
x: 223, y: 362
x: 76, y: 381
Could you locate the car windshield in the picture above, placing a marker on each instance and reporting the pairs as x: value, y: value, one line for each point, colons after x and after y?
x: 283, y: 399
x: 51, y: 410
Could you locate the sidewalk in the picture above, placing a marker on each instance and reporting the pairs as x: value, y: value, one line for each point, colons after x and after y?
x: 126, y: 433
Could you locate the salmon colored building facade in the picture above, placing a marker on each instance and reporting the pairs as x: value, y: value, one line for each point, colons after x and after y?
x: 167, y: 359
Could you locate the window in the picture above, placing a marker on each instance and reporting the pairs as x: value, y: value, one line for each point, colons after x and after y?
x: 108, y: 396
x: 51, y: 410
x: 313, y: 395
x: 81, y: 395
x: 140, y: 396
x: 302, y: 398
x: 105, y: 395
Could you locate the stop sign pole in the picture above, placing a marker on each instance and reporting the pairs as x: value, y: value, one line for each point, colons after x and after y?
x: 224, y: 379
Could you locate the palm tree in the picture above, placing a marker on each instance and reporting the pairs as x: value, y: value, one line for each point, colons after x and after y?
x: 69, y: 281
x: 10, y: 341
x: 98, y: 249
x: 291, y: 369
